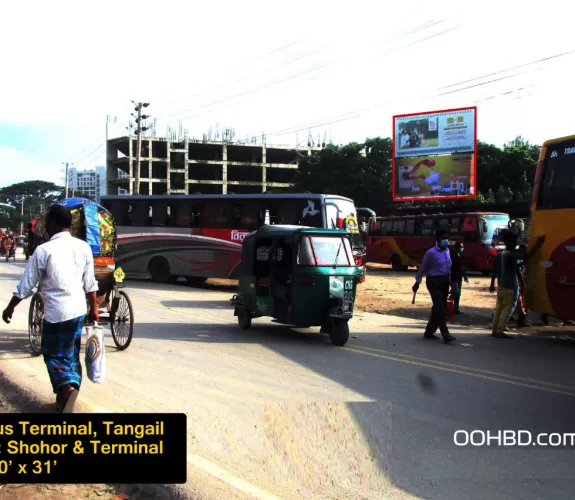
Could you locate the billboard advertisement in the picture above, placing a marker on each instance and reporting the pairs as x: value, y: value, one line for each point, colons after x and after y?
x: 435, y: 133
x: 434, y: 177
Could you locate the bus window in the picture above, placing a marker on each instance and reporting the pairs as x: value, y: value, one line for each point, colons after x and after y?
x: 428, y: 227
x: 386, y: 226
x: 302, y: 212
x: 455, y: 226
x: 184, y: 217
x: 196, y: 215
x: 443, y: 225
x: 128, y: 215
x: 150, y: 221
x: 398, y: 227
x: 139, y: 212
x: 410, y: 227
x: 161, y: 214
x: 169, y: 216
x: 245, y: 215
x: 217, y: 214
x: 558, y: 183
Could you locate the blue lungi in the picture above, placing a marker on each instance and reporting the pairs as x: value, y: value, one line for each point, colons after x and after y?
x: 61, y: 343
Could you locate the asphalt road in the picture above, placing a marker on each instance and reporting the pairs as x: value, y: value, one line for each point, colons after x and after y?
x: 280, y: 413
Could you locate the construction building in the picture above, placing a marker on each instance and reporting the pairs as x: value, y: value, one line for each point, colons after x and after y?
x: 206, y: 167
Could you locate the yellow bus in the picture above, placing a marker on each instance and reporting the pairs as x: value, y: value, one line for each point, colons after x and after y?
x: 550, y: 275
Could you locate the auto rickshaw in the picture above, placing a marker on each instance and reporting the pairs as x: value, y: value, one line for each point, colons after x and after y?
x: 299, y: 276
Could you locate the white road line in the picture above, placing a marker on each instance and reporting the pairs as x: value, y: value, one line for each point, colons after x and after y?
x: 230, y: 479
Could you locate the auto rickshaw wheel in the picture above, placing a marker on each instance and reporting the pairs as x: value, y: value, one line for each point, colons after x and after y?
x: 339, y: 331
x: 244, y: 318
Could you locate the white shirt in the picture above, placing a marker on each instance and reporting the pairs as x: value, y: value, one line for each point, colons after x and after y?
x: 64, y: 269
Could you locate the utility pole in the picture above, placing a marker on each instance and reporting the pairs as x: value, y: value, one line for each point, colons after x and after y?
x: 66, y: 179
x: 22, y: 219
x: 139, y: 131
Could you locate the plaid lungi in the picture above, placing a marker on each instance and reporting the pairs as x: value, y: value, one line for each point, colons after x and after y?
x: 61, y: 344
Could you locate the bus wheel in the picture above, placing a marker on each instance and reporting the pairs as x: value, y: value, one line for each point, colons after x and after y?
x: 159, y: 268
x: 396, y: 263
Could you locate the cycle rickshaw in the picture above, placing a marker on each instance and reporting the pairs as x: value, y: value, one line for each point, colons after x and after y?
x: 94, y: 224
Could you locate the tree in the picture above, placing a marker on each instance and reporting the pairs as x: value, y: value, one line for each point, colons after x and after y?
x: 362, y: 172
x: 35, y: 194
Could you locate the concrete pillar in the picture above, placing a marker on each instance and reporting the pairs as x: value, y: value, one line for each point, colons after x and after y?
x: 131, y: 161
x: 186, y: 166
x: 168, y: 166
x: 264, y: 169
x: 224, y: 168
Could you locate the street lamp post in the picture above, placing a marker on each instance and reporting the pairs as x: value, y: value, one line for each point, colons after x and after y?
x: 22, y: 219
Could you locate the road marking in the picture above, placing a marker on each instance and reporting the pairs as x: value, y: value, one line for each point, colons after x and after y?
x: 230, y: 479
x: 461, y: 372
x: 456, y: 368
x: 469, y: 368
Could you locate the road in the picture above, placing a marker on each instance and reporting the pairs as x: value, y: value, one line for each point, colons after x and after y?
x: 280, y: 413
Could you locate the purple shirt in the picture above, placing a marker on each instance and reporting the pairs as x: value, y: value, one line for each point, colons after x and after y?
x: 437, y: 262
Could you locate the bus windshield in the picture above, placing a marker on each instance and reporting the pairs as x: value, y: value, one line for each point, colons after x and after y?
x: 325, y: 251
x: 490, y: 227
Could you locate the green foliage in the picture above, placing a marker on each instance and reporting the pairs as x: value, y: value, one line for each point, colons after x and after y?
x: 35, y: 194
x: 362, y: 172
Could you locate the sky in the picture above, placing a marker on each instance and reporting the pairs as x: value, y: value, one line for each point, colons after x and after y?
x: 339, y: 70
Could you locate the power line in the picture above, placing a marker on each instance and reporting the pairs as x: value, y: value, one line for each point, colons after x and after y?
x: 356, y: 114
x: 308, y: 70
x: 511, y: 69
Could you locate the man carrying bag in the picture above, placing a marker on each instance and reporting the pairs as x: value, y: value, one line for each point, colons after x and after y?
x: 63, y: 268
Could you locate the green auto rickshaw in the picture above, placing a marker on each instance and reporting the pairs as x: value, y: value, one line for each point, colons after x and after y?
x: 299, y: 276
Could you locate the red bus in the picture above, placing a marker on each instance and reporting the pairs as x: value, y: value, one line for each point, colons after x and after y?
x: 200, y: 236
x: 403, y: 240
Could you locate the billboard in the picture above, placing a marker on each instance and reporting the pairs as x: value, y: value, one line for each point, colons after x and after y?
x: 434, y: 155
x: 434, y: 177
x: 435, y: 133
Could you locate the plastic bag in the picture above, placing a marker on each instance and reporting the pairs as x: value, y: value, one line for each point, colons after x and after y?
x: 95, y: 354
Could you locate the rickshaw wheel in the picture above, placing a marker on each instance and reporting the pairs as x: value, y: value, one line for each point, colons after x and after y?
x: 244, y: 318
x: 339, y: 332
x: 122, y: 322
x: 35, y: 323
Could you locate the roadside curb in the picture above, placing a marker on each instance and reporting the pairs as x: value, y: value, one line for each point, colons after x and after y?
x: 24, y: 401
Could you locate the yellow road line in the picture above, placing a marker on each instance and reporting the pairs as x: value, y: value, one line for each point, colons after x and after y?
x: 465, y: 367
x: 440, y: 365
x: 461, y: 372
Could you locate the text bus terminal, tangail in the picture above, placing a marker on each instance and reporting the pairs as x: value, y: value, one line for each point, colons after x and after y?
x: 512, y: 438
x: 64, y: 429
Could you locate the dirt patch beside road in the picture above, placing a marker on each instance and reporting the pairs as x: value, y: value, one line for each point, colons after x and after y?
x: 389, y: 292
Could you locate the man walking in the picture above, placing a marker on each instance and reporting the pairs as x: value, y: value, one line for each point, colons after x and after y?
x: 509, y: 282
x: 458, y: 275
x: 436, y: 266
x: 63, y: 268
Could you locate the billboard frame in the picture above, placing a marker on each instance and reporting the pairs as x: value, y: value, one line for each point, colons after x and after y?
x: 473, y: 153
